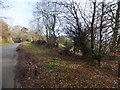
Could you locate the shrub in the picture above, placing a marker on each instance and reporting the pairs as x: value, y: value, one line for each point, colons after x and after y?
x: 39, y: 42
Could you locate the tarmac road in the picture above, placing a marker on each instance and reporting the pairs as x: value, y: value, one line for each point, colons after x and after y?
x: 8, y: 60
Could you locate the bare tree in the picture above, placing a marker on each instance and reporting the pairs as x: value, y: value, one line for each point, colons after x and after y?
x: 48, y: 16
x: 92, y: 28
x: 3, y: 4
x: 114, y: 15
x: 75, y: 27
x: 116, y: 28
x: 92, y: 37
x: 91, y: 31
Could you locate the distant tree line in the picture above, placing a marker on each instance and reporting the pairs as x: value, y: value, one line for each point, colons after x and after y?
x: 23, y: 34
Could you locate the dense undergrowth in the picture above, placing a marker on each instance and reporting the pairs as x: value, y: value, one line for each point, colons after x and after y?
x: 41, y: 67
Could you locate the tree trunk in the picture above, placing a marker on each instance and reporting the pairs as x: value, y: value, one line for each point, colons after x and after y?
x: 92, y: 28
x: 115, y: 30
x: 101, y: 28
x: 85, y: 48
x: 119, y: 70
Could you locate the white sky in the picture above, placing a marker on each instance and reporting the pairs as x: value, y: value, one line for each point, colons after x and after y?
x: 20, y: 12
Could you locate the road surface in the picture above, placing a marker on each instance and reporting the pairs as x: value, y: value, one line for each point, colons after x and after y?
x: 8, y: 61
x: 0, y: 68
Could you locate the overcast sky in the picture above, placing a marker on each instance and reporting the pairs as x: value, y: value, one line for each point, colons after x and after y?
x: 20, y: 12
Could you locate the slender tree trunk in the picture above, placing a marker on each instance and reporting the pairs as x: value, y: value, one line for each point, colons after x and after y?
x: 101, y: 27
x: 118, y: 44
x: 92, y: 28
x: 46, y: 34
x: 115, y: 30
x: 119, y: 70
x: 53, y: 29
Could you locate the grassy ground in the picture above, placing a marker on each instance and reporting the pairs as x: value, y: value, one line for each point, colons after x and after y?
x: 41, y: 67
x: 5, y: 44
